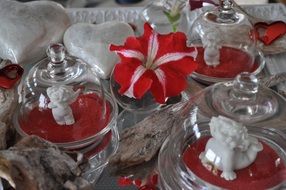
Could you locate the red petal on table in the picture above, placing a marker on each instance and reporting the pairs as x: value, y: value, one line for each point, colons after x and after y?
x: 154, y: 179
x: 196, y: 4
x: 268, y: 33
x: 10, y: 75
x: 137, y: 182
x: 124, y: 181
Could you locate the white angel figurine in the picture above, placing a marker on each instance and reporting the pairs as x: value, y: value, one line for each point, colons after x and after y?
x: 212, y: 46
x: 61, y: 97
x: 230, y: 148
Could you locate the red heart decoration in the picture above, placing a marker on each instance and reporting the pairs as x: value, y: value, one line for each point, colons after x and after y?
x: 9, y: 75
x: 268, y: 33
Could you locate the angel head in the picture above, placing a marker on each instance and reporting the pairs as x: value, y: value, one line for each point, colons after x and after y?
x: 212, y: 40
x: 60, y: 93
x: 229, y: 132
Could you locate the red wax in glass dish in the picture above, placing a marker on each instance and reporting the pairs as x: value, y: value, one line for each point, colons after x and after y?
x: 87, y: 111
x: 232, y: 62
x: 92, y: 149
x: 267, y: 171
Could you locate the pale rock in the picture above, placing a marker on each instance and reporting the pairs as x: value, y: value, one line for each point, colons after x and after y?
x: 91, y: 43
x: 28, y: 28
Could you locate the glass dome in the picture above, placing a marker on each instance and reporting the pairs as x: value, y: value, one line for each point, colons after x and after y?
x: 163, y: 15
x: 228, y: 135
x: 64, y: 102
x: 225, y: 44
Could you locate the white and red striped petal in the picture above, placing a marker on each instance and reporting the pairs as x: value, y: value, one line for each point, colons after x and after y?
x: 140, y: 70
x: 170, y: 57
x: 155, y: 62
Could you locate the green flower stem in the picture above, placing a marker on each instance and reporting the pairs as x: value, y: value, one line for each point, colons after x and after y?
x: 173, y: 19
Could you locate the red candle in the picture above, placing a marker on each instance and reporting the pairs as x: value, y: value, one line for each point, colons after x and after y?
x: 267, y: 171
x: 87, y: 111
x: 232, y: 62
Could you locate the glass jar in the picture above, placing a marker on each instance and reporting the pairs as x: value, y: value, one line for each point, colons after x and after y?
x: 225, y: 43
x: 146, y: 104
x: 163, y: 15
x: 63, y: 101
x: 243, y: 101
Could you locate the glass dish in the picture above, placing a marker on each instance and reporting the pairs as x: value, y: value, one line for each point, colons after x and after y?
x: 93, y: 110
x: 262, y: 113
x: 225, y: 43
x: 182, y: 171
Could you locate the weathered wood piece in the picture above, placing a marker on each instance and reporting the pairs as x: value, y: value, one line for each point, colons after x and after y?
x: 35, y: 164
x: 140, y: 143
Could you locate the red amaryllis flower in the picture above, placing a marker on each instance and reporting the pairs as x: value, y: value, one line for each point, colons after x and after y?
x: 155, y: 62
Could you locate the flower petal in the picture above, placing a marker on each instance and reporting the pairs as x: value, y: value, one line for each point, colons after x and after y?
x: 173, y: 57
x: 131, y: 54
x: 172, y: 83
x: 138, y: 73
x: 184, y: 66
x: 172, y: 43
x: 123, y: 73
x: 153, y: 47
x: 157, y: 89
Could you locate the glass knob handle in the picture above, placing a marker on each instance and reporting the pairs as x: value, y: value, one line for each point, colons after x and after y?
x: 56, y: 53
x: 245, y: 86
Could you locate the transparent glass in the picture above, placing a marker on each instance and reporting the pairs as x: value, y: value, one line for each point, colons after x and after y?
x: 163, y: 15
x: 244, y: 100
x: 182, y: 172
x: 146, y: 104
x: 225, y: 44
x: 64, y: 102
x: 100, y: 154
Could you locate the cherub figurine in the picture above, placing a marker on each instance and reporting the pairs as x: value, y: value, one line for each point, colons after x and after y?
x: 60, y: 99
x: 211, y: 45
x: 230, y: 148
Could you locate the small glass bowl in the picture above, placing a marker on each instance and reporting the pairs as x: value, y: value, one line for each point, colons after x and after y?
x: 226, y: 44
x: 258, y: 108
x: 99, y: 155
x: 178, y: 170
x: 257, y: 69
x: 77, y: 90
x: 146, y: 104
x: 97, y: 137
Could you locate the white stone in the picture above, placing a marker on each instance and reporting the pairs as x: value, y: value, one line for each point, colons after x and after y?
x: 28, y: 28
x: 91, y: 43
x: 230, y: 148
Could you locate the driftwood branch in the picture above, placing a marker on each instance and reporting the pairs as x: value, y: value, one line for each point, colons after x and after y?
x: 35, y: 164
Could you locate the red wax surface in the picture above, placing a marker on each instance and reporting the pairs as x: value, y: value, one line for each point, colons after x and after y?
x: 87, y: 111
x: 267, y: 171
x: 232, y: 62
x: 93, y: 149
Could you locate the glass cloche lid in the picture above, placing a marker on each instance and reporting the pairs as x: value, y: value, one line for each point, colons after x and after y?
x: 228, y: 136
x: 64, y: 102
x: 225, y: 44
